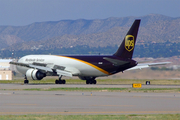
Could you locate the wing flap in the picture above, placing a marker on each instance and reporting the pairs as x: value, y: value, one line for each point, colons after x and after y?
x: 41, y: 68
x: 64, y: 73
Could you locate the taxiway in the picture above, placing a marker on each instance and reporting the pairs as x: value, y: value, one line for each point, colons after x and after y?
x: 69, y: 103
x: 29, y: 86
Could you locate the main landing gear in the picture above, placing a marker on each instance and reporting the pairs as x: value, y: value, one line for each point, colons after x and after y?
x: 26, y: 81
x: 60, y: 81
x: 90, y: 80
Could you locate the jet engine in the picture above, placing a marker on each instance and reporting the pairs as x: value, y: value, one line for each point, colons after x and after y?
x: 35, y: 74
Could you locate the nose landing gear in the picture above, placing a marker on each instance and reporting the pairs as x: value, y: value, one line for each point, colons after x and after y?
x: 26, y: 81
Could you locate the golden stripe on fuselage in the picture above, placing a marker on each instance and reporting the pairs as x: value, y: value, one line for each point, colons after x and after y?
x: 90, y: 64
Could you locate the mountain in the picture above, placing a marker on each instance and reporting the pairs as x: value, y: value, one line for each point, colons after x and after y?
x: 93, y: 33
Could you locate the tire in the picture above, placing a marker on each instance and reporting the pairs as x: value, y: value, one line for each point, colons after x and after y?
x: 57, y: 82
x: 87, y: 81
x: 26, y: 81
x: 60, y: 82
x: 94, y: 81
x: 63, y: 82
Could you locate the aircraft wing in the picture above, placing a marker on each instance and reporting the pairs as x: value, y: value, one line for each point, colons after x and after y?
x: 146, y: 65
x: 44, y: 68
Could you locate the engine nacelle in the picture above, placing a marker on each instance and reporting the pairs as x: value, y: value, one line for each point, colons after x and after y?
x: 35, y: 74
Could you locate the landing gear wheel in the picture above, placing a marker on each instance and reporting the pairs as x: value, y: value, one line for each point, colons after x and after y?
x: 87, y: 81
x: 63, y: 82
x: 26, y: 81
x: 57, y: 82
x: 60, y: 81
x: 94, y: 82
x: 91, y: 82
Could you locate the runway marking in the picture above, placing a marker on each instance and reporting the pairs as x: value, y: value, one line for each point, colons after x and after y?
x: 5, y: 93
x: 106, y: 112
x: 115, y: 105
x: 138, y: 96
x: 14, y: 104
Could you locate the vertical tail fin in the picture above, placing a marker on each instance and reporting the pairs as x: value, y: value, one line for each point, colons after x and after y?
x: 126, y: 48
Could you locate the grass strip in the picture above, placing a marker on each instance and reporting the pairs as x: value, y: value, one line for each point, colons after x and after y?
x: 147, y: 90
x: 99, y: 81
x: 92, y: 117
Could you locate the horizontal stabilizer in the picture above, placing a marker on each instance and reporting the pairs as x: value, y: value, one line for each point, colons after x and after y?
x: 146, y: 65
x: 115, y: 61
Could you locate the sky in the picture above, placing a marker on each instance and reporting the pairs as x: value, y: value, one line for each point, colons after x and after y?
x: 24, y: 12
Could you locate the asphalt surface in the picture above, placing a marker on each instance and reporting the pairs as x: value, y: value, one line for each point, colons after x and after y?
x: 69, y: 103
x: 29, y: 86
x: 61, y: 102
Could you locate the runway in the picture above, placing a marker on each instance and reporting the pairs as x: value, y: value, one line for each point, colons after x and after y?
x: 70, y: 103
x: 29, y: 86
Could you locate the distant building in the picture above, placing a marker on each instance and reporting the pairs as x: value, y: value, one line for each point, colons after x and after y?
x: 5, y: 72
x: 5, y: 75
x: 4, y: 64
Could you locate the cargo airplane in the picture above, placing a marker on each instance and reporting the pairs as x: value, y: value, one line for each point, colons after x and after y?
x: 87, y: 67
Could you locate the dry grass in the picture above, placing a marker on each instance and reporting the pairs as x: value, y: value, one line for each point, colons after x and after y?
x: 92, y: 117
x: 147, y: 74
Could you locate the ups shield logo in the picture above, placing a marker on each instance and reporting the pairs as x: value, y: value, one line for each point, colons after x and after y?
x: 129, y: 43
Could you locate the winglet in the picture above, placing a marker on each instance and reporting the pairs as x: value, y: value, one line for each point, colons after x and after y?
x: 126, y: 48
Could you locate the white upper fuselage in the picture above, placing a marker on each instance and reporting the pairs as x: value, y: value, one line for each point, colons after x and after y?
x: 75, y: 66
